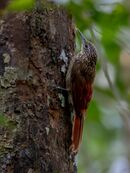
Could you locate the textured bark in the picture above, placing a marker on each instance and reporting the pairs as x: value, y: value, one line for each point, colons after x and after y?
x: 35, y: 48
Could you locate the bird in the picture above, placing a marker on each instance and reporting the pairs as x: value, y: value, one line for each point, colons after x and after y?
x: 79, y: 83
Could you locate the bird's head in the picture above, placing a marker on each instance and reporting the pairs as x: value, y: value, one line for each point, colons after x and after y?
x: 88, y: 48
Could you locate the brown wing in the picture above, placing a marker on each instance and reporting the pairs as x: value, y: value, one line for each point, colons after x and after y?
x: 81, y: 91
x: 81, y: 95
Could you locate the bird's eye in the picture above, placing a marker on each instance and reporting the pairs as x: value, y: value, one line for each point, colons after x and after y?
x: 86, y: 46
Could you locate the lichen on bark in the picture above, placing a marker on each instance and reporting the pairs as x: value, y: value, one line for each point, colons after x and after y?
x: 31, y: 69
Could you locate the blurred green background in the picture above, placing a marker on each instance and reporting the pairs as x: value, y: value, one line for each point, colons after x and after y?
x: 106, y: 139
x: 106, y: 145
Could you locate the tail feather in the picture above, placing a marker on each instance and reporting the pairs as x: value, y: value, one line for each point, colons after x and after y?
x: 77, y: 133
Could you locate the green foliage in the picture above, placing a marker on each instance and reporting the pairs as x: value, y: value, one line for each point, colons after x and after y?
x: 20, y: 5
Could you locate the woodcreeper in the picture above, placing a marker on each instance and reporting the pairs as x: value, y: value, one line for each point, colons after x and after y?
x: 79, y: 83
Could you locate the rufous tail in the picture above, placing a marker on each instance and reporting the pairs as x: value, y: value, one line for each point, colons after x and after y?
x: 77, y: 131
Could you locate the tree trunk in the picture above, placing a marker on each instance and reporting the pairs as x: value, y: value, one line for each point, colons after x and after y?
x: 35, y: 48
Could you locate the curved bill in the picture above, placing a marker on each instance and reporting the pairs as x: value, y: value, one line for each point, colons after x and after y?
x: 84, y: 41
